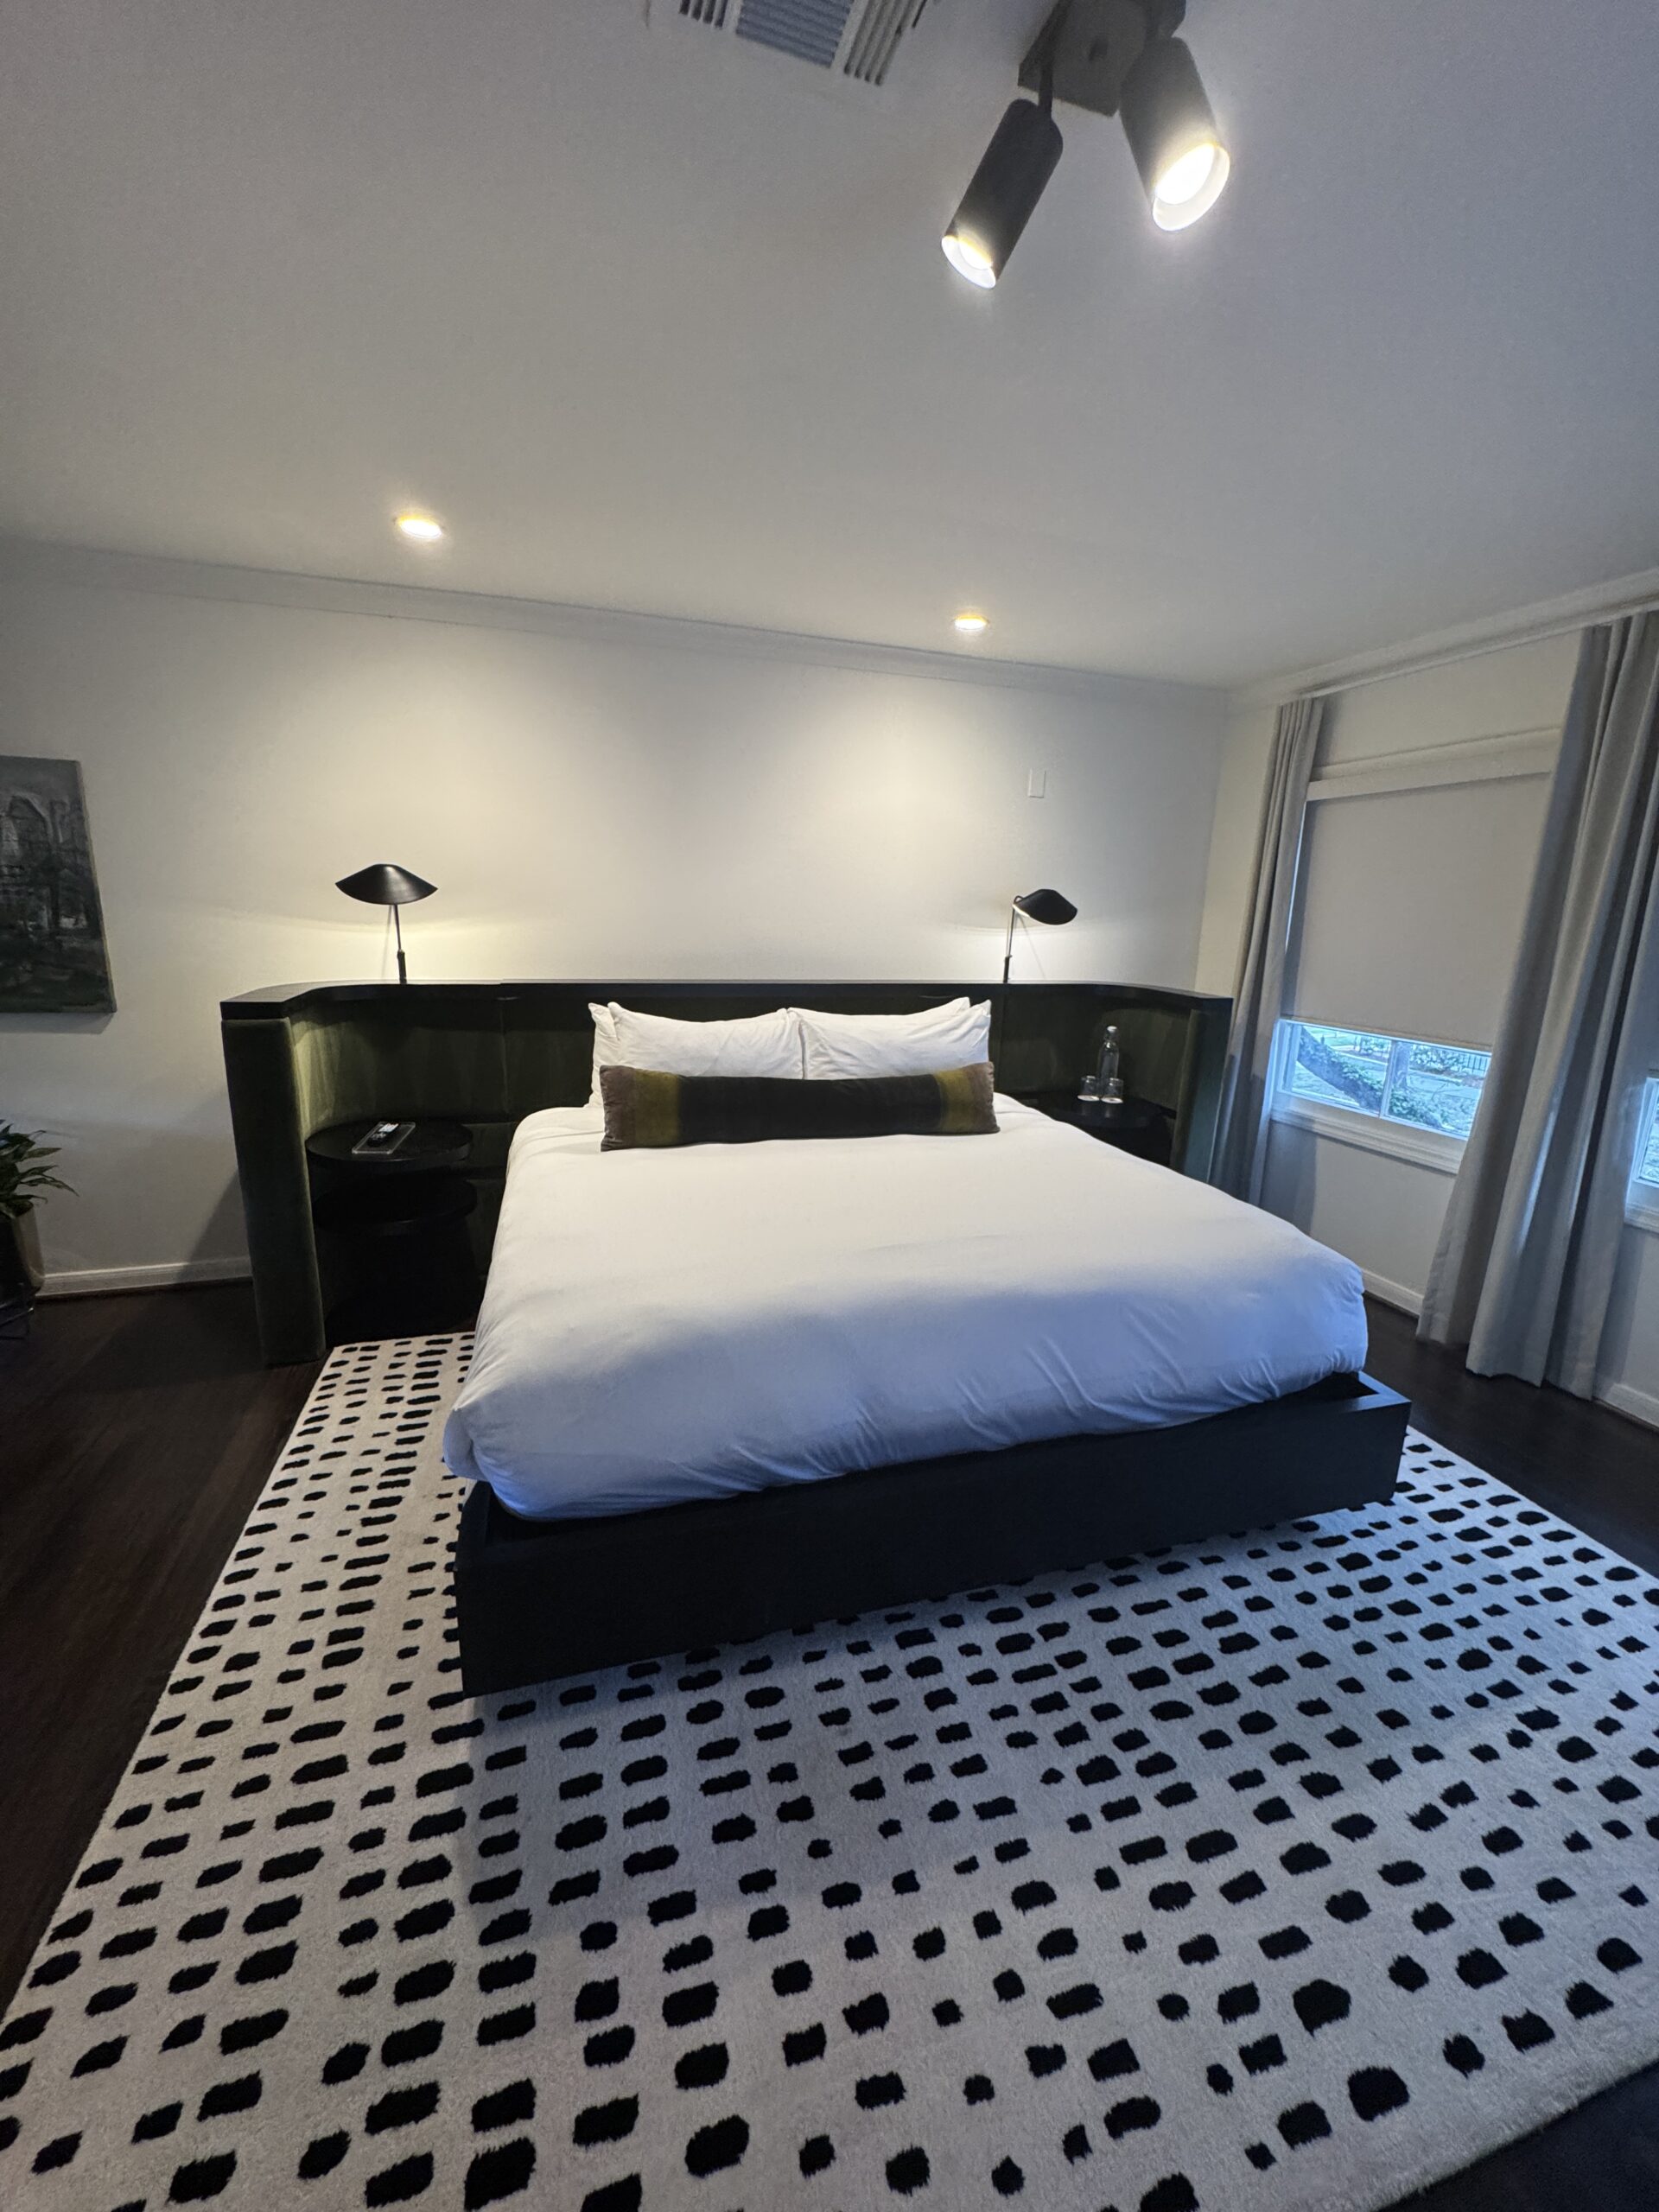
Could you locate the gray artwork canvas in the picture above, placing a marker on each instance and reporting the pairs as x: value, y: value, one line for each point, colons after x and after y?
x: 53, y: 957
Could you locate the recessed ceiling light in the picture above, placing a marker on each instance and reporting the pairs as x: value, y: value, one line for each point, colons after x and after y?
x: 420, y: 530
x: 970, y: 624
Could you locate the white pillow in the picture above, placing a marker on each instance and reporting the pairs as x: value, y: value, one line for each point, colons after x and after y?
x: 956, y: 1035
x: 605, y: 1052
x: 765, y: 1044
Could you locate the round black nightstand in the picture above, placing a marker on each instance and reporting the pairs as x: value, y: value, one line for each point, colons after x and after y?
x: 398, y: 1255
x: 1134, y: 1125
x: 429, y: 1145
x: 410, y: 1207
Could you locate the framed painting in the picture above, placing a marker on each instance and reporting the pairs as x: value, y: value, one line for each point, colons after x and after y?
x: 53, y: 957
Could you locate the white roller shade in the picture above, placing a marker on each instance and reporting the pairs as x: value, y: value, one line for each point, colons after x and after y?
x: 1409, y: 906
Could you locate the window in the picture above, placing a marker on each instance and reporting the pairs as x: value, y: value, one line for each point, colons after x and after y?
x: 1642, y: 1206
x: 1403, y: 1081
x: 1415, y: 1100
x: 1646, y: 1151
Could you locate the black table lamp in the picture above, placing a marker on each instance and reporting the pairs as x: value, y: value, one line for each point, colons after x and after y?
x: 1050, y: 906
x: 385, y: 885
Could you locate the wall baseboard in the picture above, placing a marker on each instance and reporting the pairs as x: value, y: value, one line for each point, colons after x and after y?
x: 1393, y: 1293
x: 88, y: 1282
x: 1625, y: 1398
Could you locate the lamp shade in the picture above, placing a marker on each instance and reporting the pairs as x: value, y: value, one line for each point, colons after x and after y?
x: 1050, y: 906
x: 384, y: 884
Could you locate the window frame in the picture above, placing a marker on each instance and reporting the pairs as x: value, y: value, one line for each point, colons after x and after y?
x: 1433, y: 1149
x: 1642, y: 1196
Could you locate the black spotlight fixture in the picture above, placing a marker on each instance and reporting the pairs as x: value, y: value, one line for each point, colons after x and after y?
x: 385, y: 884
x: 1112, y: 57
x: 1003, y: 193
x: 1046, y: 906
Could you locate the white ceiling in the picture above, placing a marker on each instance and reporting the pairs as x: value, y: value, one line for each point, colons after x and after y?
x: 653, y: 321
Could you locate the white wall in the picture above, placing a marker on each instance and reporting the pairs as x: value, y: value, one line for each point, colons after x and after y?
x: 1630, y: 1376
x: 1386, y: 1213
x: 594, y: 797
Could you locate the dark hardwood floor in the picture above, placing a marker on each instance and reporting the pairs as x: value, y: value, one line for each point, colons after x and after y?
x: 1586, y: 1463
x: 135, y: 1432
x: 135, y: 1435
x: 1600, y: 1471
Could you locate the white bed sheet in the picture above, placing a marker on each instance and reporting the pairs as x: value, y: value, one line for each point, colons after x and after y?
x: 663, y: 1326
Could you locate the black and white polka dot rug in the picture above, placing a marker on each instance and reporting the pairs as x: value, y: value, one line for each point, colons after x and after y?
x: 1291, y: 1870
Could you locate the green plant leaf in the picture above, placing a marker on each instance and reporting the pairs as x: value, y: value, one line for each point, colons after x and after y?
x: 23, y: 1176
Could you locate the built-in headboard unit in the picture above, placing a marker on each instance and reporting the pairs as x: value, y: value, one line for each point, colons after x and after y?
x: 303, y: 1058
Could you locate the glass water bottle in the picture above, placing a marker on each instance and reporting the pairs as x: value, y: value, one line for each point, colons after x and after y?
x: 1109, y: 1080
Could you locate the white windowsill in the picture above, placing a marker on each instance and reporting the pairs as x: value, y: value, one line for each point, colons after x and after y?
x: 1642, y: 1207
x: 1370, y: 1133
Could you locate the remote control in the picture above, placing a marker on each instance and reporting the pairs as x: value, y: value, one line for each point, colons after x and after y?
x: 384, y: 1137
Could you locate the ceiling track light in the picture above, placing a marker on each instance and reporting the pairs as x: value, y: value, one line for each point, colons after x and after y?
x: 1003, y: 191
x: 1111, y: 57
x: 1171, y: 128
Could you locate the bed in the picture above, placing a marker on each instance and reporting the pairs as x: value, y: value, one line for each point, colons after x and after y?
x: 728, y: 1388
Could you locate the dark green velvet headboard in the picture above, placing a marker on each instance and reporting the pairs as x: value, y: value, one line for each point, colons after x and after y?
x: 300, y: 1058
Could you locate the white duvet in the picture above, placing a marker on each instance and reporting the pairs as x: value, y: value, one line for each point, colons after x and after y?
x: 662, y: 1325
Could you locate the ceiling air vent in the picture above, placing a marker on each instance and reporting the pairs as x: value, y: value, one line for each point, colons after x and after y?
x: 851, y: 40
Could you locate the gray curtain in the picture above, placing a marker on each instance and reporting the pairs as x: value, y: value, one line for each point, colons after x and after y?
x: 1259, y: 990
x: 1526, y: 1258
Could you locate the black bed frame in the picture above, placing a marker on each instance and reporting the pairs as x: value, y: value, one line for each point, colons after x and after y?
x: 537, y: 1600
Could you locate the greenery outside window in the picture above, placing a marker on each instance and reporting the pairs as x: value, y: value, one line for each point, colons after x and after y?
x: 1642, y: 1206
x: 1407, y: 1080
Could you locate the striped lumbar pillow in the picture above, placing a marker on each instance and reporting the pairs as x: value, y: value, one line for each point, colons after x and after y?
x: 643, y: 1107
